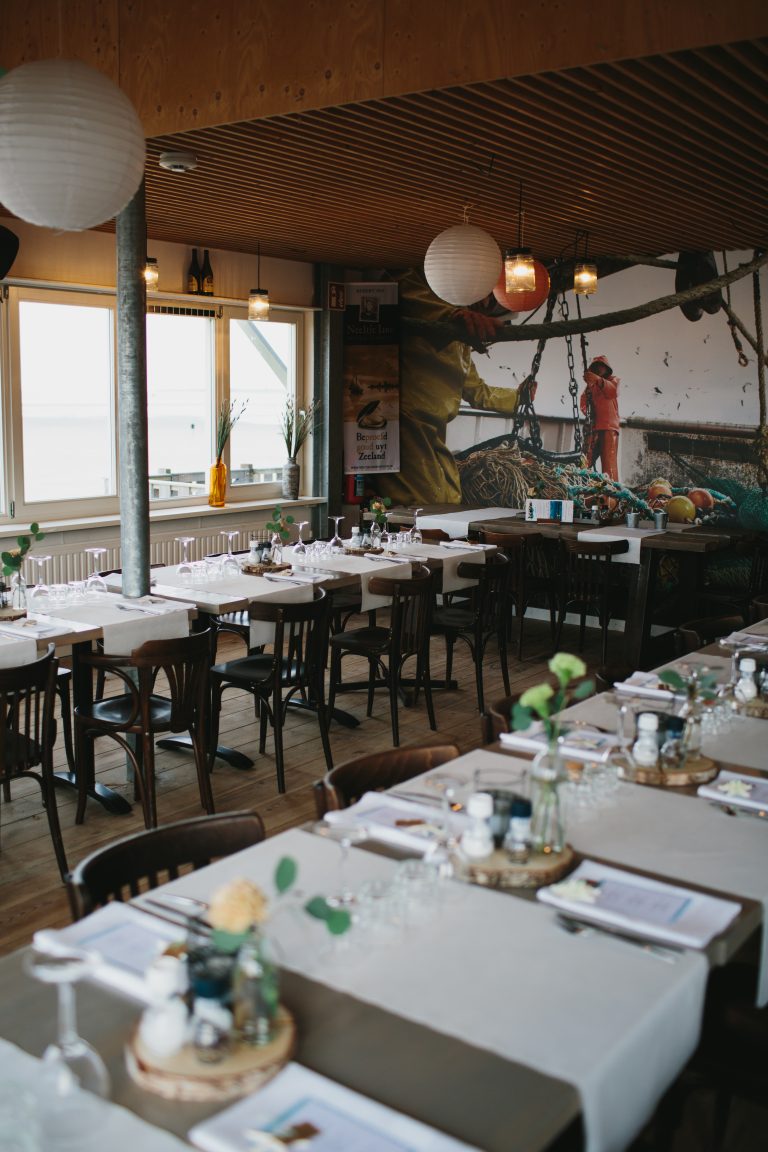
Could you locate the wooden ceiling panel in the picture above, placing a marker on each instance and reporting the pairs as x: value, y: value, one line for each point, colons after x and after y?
x: 649, y: 156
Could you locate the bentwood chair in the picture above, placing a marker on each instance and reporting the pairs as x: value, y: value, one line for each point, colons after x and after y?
x: 587, y: 584
x: 388, y: 648
x: 346, y: 783
x: 123, y: 869
x: 28, y: 732
x: 695, y: 634
x: 293, y: 669
x: 495, y: 719
x: 479, y: 618
x: 529, y: 577
x: 141, y: 713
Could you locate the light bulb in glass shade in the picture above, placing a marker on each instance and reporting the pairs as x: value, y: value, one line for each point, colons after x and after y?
x: 519, y: 270
x: 151, y: 272
x: 258, y: 304
x: 585, y: 278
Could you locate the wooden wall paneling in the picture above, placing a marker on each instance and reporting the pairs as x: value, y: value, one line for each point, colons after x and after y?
x: 85, y: 30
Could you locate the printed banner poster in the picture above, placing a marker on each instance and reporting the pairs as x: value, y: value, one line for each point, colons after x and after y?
x: 371, y: 378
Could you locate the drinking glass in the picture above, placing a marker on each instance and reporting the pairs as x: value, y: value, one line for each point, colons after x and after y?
x: 95, y: 584
x: 447, y: 786
x: 345, y: 835
x: 185, y: 568
x: 72, y: 1060
x: 300, y: 548
x: 40, y: 594
x: 229, y: 564
x: 336, y: 544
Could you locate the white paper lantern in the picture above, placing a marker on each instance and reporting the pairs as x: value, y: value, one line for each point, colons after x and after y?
x: 71, y: 145
x: 462, y: 264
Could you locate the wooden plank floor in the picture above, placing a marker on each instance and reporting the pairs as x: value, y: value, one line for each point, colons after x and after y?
x: 31, y: 894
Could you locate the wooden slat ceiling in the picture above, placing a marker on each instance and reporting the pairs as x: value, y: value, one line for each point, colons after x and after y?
x: 649, y: 156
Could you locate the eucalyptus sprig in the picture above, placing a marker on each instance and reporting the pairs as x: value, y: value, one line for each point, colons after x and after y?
x: 699, y: 685
x: 337, y: 920
x: 296, y: 426
x: 280, y: 523
x: 13, y: 560
x: 228, y: 416
x: 544, y: 702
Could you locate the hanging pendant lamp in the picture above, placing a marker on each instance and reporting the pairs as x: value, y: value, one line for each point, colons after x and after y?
x: 462, y: 264
x: 519, y: 265
x: 151, y: 273
x: 71, y: 145
x: 258, y: 298
x: 584, y: 272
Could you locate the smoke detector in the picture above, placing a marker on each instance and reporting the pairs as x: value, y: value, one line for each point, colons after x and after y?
x: 178, y: 161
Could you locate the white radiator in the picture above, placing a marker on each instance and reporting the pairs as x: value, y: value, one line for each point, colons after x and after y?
x: 68, y: 564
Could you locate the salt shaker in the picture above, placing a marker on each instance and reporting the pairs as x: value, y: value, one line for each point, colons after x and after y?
x: 646, y: 748
x: 477, y: 840
x: 746, y: 685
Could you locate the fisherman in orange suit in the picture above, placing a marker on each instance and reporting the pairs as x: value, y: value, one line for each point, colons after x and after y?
x: 600, y: 404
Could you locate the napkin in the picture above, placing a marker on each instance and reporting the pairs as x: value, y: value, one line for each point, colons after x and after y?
x: 640, y: 906
x: 738, y: 790
x: 405, y: 823
x: 466, y: 544
x: 588, y: 745
x: 32, y: 627
x: 643, y: 684
x: 745, y: 640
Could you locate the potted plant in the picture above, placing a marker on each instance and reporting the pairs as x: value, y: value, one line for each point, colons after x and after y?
x: 228, y: 416
x: 295, y: 427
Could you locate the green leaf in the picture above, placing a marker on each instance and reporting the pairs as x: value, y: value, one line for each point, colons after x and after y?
x: 318, y: 907
x: 339, y: 921
x: 673, y: 679
x: 584, y: 689
x: 34, y: 528
x: 289, y: 519
x: 522, y: 718
x: 23, y: 542
x: 285, y: 873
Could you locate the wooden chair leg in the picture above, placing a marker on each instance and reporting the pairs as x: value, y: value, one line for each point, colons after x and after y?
x: 63, y: 693
x: 277, y: 728
x: 199, y: 747
x: 52, y: 812
x: 394, y: 688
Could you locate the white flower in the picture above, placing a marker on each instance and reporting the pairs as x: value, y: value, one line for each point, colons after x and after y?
x: 735, y: 788
x: 576, y: 891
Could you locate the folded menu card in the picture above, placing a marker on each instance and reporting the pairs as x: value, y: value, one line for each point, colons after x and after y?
x: 643, y: 684
x: 584, y: 744
x: 406, y: 823
x: 302, y: 1109
x: 649, y: 909
x: 123, y: 942
x: 738, y: 790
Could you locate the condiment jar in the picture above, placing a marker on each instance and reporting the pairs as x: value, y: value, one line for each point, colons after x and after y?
x: 645, y: 751
x: 746, y: 685
x: 477, y: 840
x: 518, y: 838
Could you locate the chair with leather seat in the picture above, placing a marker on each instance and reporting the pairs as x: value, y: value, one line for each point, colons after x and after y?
x: 376, y: 771
x: 529, y: 576
x: 141, y: 713
x: 695, y: 634
x: 387, y: 648
x: 495, y: 719
x: 587, y: 584
x: 134, y: 864
x: 28, y: 733
x: 478, y: 619
x: 64, y: 693
x: 293, y: 669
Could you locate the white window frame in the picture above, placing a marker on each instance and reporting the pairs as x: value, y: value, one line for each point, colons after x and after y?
x: 12, y: 479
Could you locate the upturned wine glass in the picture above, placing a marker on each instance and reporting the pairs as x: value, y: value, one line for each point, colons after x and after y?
x: 184, y: 569
x: 336, y: 544
x: 416, y: 536
x: 229, y: 564
x: 300, y: 548
x: 95, y: 583
x: 39, y: 595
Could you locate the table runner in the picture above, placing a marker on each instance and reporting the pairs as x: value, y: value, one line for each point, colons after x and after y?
x: 14, y: 652
x: 457, y: 523
x: 113, y: 1127
x: 125, y: 630
x: 498, y: 973
x: 633, y: 536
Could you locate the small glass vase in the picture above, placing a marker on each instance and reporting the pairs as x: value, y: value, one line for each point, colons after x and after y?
x: 290, y: 478
x: 547, y: 822
x: 18, y: 592
x: 691, y: 713
x: 255, y: 990
x: 217, y: 487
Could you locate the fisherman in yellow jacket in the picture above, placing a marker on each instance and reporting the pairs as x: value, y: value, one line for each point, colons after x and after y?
x: 434, y: 378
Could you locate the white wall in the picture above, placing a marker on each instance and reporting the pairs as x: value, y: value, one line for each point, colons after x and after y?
x: 89, y: 258
x: 670, y: 368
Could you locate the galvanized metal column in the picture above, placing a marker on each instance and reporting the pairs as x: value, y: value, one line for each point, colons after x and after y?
x: 132, y: 395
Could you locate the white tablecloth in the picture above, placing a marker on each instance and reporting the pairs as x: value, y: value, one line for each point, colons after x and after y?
x: 457, y: 523
x: 496, y: 972
x: 15, y: 651
x: 634, y: 537
x: 127, y: 628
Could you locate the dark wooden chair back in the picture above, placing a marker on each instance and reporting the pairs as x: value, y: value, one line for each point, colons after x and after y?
x: 137, y: 863
x: 346, y: 783
x: 495, y: 719
x: 185, y: 662
x: 300, y: 649
x: 28, y: 733
x: 410, y: 612
x: 695, y: 634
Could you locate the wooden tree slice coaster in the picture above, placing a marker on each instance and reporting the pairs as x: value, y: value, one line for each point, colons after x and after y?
x: 262, y: 569
x: 695, y: 771
x: 363, y: 551
x: 498, y: 871
x: 184, y: 1077
x: 11, y: 614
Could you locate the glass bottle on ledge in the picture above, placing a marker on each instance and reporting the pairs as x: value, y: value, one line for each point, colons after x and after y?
x: 206, y: 275
x: 193, y: 275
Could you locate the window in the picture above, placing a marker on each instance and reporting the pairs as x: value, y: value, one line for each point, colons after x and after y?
x: 59, y: 414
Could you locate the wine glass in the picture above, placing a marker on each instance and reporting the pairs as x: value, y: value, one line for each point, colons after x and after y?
x: 95, y: 584
x: 71, y: 1059
x: 185, y: 568
x: 345, y: 834
x: 336, y: 544
x: 229, y: 564
x: 40, y: 594
x: 300, y: 548
x: 416, y: 536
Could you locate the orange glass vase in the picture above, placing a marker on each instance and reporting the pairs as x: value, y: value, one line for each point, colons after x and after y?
x: 217, y: 487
